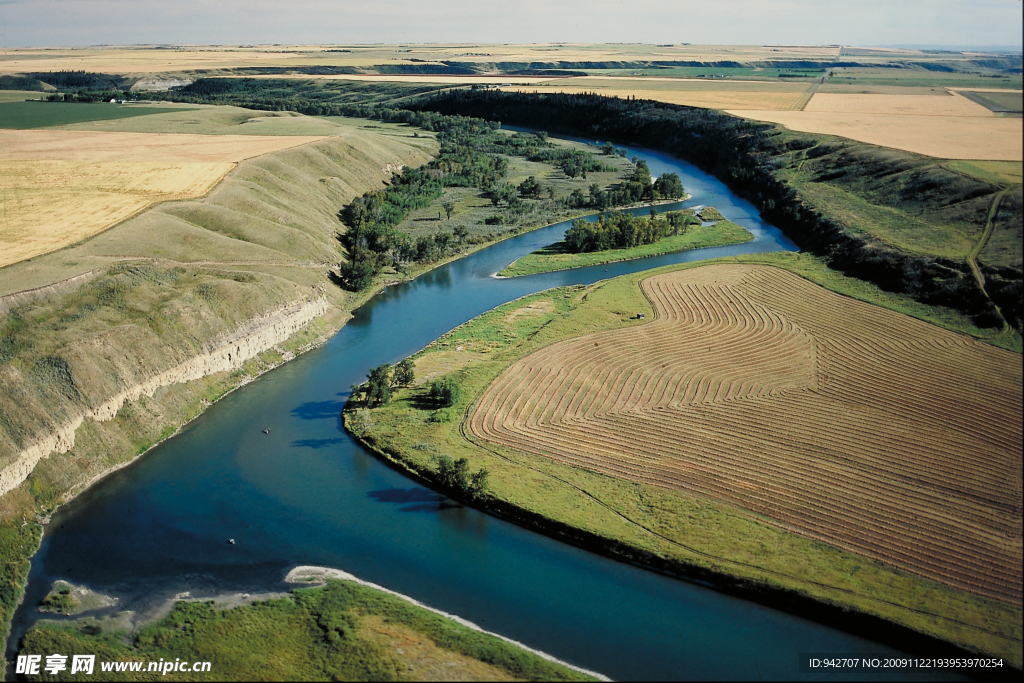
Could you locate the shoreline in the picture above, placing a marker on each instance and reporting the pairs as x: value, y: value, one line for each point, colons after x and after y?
x: 787, y: 600
x: 498, y: 275
x: 509, y: 235
x: 295, y: 575
x: 347, y: 314
x: 829, y: 611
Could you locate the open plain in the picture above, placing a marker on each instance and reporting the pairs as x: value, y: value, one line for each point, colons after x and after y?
x: 830, y: 418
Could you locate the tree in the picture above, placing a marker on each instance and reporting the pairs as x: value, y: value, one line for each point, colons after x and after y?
x: 478, y: 484
x: 530, y: 188
x: 449, y: 208
x: 577, y: 199
x: 453, y: 474
x: 405, y: 373
x: 669, y: 186
x: 358, y: 273
x: 378, y: 386
x: 461, y: 232
x: 503, y: 192
x: 446, y: 391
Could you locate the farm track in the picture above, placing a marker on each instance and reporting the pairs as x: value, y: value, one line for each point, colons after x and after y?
x: 831, y: 418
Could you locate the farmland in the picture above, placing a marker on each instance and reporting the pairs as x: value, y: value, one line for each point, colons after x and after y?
x: 734, y: 383
x: 810, y: 89
x: 731, y: 416
x: 690, y: 92
x: 935, y: 136
x: 944, y: 125
x: 60, y: 187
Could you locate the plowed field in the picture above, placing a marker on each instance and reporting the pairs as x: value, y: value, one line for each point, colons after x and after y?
x: 832, y: 418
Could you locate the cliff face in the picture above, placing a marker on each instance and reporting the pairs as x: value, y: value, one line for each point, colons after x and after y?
x: 256, y: 336
x: 169, y: 309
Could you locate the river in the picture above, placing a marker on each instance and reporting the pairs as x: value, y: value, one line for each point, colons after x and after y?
x: 307, y: 494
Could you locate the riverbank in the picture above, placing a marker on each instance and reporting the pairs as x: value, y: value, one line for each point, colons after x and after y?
x: 557, y: 257
x: 78, y: 445
x: 641, y: 523
x: 344, y: 628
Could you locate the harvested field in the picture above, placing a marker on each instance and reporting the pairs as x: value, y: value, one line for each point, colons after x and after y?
x: 944, y: 137
x: 897, y: 105
x: 60, y: 187
x: 828, y: 417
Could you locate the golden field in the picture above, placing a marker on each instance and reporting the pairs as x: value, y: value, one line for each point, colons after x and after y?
x: 687, y: 91
x: 825, y: 416
x: 945, y: 137
x: 153, y: 59
x: 949, y: 104
x: 58, y: 187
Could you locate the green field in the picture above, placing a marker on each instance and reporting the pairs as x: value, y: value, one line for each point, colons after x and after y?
x: 670, y: 524
x: 26, y: 115
x: 342, y: 631
x: 557, y: 257
x: 997, y: 101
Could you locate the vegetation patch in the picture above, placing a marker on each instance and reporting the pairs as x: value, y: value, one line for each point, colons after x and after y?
x: 559, y: 256
x: 342, y: 631
x: 697, y: 529
x: 30, y: 115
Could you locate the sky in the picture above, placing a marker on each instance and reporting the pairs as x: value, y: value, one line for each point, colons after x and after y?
x: 53, y: 23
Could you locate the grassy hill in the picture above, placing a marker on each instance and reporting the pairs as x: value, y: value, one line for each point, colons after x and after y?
x: 97, y: 318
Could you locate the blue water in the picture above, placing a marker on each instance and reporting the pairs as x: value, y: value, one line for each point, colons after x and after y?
x: 307, y: 494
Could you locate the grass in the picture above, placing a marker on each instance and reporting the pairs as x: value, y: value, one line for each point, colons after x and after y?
x: 154, y: 289
x: 689, y: 529
x: 19, y: 95
x: 27, y: 115
x: 341, y: 631
x: 997, y: 101
x: 557, y: 257
x: 995, y: 172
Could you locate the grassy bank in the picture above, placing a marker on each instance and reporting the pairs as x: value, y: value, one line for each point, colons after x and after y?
x: 342, y: 631
x: 557, y: 257
x: 670, y: 529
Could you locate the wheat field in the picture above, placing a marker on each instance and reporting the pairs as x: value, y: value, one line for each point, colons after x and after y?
x: 58, y: 187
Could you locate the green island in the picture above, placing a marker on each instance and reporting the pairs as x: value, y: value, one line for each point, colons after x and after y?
x: 339, y: 631
x: 558, y: 256
x: 680, y: 532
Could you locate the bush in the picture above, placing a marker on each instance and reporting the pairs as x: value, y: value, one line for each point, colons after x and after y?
x: 442, y: 415
x: 445, y: 391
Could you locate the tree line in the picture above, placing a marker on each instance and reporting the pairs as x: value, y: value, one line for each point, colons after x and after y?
x: 619, y: 230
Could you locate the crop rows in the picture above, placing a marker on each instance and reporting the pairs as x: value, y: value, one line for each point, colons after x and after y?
x: 834, y: 419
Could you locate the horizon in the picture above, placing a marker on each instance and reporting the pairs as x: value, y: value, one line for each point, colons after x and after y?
x: 991, y: 24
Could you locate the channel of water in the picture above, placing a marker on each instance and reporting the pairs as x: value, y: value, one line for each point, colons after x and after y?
x: 307, y: 494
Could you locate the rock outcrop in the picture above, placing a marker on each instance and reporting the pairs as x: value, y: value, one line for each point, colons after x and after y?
x: 258, y: 335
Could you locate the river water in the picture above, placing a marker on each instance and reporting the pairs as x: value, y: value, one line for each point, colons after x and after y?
x: 307, y: 494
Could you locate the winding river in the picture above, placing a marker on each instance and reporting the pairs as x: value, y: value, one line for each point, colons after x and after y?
x: 307, y: 494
